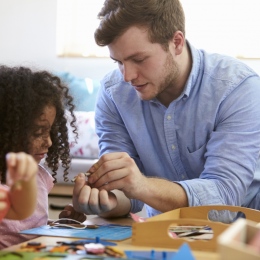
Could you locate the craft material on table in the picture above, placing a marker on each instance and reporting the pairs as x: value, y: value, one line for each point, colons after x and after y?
x: 86, y: 241
x: 63, y: 222
x: 57, y: 253
x: 50, y: 256
x: 106, y: 232
x: 87, y: 174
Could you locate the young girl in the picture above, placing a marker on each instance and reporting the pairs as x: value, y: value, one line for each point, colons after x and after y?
x: 33, y: 120
x: 19, y: 201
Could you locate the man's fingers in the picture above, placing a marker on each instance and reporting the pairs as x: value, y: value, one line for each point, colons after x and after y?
x: 108, y: 165
x: 107, y: 200
x: 80, y: 182
x: 81, y: 195
x: 94, y: 201
x: 90, y: 200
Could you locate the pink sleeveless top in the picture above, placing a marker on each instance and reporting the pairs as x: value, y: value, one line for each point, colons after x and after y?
x: 9, y: 229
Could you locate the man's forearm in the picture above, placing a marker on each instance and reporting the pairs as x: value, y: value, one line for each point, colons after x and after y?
x: 163, y: 195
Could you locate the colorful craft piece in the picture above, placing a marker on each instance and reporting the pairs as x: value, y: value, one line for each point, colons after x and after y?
x: 150, y: 255
x: 184, y: 252
x: 86, y: 241
x: 94, y: 248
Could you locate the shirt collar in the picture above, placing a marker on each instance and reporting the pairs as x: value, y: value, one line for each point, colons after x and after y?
x: 196, y: 63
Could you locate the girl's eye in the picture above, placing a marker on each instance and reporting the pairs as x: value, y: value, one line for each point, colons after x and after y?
x: 41, y: 134
x: 37, y: 134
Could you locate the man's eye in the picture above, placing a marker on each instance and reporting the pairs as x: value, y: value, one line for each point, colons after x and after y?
x: 118, y: 62
x: 138, y: 60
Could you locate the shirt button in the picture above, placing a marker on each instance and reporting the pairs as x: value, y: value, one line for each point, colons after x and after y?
x: 169, y: 117
x: 182, y: 176
x: 173, y: 147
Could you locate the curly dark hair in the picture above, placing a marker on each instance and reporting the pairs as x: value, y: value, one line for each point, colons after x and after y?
x: 24, y: 94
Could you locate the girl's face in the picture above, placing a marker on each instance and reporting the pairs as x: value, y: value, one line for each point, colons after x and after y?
x: 41, y: 140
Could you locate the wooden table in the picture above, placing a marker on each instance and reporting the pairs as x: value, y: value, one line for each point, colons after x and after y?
x: 121, y: 245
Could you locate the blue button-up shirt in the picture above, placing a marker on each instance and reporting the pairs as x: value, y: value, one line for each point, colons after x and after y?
x: 207, y: 140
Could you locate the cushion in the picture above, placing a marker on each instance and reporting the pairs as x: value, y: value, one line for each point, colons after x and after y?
x: 83, y: 90
x: 87, y: 143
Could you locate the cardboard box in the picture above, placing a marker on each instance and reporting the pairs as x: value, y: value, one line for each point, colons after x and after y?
x: 154, y: 232
x: 233, y: 242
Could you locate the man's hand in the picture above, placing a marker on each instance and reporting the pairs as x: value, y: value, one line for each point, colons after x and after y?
x: 118, y: 171
x: 92, y: 201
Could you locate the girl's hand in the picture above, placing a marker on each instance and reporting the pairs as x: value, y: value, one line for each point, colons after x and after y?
x: 20, y: 167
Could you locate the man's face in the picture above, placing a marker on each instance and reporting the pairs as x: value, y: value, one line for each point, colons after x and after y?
x: 147, y: 66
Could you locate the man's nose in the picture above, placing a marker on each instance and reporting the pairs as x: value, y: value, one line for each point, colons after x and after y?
x: 129, y: 72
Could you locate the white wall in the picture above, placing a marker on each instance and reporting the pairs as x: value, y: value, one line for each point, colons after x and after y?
x: 28, y: 37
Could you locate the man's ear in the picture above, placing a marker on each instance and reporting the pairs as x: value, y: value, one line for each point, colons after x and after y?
x: 177, y: 43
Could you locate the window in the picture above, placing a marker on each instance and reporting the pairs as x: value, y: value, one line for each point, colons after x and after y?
x: 224, y: 26
x: 76, y: 23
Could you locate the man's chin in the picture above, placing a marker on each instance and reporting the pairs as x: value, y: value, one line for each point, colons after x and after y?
x: 145, y: 97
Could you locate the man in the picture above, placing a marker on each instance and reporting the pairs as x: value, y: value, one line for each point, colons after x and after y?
x: 178, y: 126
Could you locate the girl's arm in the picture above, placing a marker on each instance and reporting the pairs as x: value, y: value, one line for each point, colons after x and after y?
x: 21, y: 178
